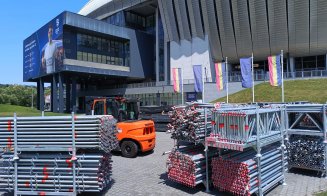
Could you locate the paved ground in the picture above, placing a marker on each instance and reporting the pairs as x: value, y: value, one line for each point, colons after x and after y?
x: 146, y: 175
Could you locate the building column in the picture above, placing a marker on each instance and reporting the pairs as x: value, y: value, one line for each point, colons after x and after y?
x: 292, y: 66
x: 54, y: 94
x: 157, y: 45
x: 74, y: 92
x: 61, y: 93
x: 40, y: 94
x: 68, y: 97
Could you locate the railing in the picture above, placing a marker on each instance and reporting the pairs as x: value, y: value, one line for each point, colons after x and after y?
x: 233, y: 77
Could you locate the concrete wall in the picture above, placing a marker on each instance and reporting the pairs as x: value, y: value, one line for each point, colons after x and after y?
x: 185, y: 54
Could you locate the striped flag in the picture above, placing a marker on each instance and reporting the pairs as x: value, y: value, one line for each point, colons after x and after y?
x: 220, y: 76
x: 275, y: 71
x: 177, y: 79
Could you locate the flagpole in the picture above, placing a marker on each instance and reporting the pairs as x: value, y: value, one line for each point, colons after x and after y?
x: 182, y: 90
x: 252, y: 79
x: 226, y: 68
x: 203, y: 84
x: 282, y: 67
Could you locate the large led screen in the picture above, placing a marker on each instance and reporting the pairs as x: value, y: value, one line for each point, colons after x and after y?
x: 43, y: 50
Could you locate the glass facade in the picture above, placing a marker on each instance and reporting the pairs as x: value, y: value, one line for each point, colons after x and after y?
x: 117, y: 19
x: 310, y: 63
x: 133, y: 20
x: 165, y: 98
x: 103, y: 50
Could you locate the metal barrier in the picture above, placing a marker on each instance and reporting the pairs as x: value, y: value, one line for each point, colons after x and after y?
x: 233, y: 77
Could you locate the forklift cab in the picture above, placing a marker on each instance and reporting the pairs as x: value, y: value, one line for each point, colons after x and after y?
x: 123, y: 109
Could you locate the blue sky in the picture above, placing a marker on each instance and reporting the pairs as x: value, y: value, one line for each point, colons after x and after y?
x: 19, y: 19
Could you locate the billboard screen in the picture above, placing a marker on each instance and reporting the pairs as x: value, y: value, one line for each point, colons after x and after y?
x: 43, y: 50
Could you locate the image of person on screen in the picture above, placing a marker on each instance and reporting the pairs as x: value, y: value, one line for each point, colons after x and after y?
x: 52, y: 54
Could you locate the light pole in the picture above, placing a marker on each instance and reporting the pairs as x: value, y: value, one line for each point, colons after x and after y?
x: 32, y: 98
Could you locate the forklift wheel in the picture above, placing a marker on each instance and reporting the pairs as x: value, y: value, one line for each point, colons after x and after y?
x: 129, y: 149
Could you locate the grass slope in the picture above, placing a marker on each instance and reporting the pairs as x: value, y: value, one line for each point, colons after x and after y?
x: 314, y: 90
x: 9, y: 110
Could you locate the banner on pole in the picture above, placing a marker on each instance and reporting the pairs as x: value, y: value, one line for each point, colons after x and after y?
x: 246, y: 71
x: 177, y: 79
x: 220, y: 76
x: 198, y: 83
x: 275, y: 70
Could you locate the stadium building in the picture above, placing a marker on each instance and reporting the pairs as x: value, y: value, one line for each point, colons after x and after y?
x: 128, y: 47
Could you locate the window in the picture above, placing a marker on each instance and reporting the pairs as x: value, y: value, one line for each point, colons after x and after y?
x: 104, y: 58
x: 321, y: 62
x: 309, y: 62
x: 89, y: 57
x: 102, y: 50
x: 99, y: 58
x: 79, y: 56
x: 298, y: 63
x: 84, y: 56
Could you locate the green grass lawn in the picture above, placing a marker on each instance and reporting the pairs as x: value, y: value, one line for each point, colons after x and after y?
x: 313, y: 90
x: 9, y: 110
x: 321, y: 194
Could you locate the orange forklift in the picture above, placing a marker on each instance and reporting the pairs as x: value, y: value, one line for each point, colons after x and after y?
x: 134, y: 135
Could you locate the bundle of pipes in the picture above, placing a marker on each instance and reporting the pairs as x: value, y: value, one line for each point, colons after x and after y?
x: 53, y: 172
x: 98, y: 132
x: 239, y: 125
x: 238, y: 172
x: 307, y: 152
x: 187, y: 165
x: 191, y: 123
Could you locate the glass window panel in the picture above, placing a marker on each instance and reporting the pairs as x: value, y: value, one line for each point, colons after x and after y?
x: 104, y: 58
x: 79, y: 39
x: 79, y: 56
x: 89, y: 57
x: 321, y: 62
x: 99, y: 58
x: 95, y: 58
x: 84, y: 56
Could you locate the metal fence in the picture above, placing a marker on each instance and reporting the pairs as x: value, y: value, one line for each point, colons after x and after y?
x: 233, y: 77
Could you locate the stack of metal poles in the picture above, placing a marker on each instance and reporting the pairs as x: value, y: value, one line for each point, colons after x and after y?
x: 237, y: 172
x: 91, y: 132
x: 56, y: 155
x: 53, y: 172
x: 191, y: 123
x: 307, y: 152
x: 307, y: 131
x: 187, y: 166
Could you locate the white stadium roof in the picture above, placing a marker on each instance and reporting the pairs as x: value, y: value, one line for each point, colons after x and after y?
x: 92, y: 5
